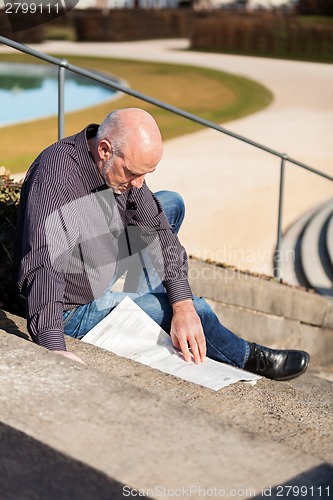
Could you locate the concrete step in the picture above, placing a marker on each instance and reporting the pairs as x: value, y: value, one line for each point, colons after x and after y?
x: 290, y: 251
x: 89, y: 431
x: 324, y: 254
x: 313, y: 250
x: 329, y: 240
x: 307, y: 250
x: 114, y: 428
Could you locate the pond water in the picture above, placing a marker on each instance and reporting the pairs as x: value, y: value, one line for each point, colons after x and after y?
x: 30, y: 91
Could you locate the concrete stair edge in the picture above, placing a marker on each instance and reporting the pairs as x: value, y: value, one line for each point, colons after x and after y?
x: 288, y: 247
x: 310, y: 256
x: 307, y: 250
x: 129, y: 435
x: 329, y: 241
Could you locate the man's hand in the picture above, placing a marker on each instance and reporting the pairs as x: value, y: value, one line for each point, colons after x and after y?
x: 186, y: 329
x: 70, y: 355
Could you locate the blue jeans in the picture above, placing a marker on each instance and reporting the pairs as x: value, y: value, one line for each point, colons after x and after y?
x: 150, y: 295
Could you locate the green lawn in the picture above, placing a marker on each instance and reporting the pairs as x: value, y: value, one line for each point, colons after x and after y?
x: 213, y: 95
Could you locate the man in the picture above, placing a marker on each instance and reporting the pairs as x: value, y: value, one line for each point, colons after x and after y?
x: 86, y: 214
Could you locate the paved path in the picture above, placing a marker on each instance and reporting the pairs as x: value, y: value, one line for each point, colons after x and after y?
x: 231, y: 189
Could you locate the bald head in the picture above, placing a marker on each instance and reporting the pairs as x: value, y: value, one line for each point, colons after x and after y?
x: 134, y: 132
x: 129, y: 142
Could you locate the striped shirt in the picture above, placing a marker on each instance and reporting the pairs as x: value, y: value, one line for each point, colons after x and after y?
x: 72, y: 230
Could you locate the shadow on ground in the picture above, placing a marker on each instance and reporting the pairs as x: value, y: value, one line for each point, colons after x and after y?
x: 29, y: 469
x: 8, y: 325
x: 314, y: 483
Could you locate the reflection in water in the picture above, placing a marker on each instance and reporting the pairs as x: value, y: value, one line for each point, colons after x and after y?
x: 30, y: 91
x: 22, y: 82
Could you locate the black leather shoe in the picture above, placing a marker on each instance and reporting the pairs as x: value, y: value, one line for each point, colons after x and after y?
x: 276, y: 364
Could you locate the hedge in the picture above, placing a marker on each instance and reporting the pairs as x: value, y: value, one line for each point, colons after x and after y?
x: 9, y: 201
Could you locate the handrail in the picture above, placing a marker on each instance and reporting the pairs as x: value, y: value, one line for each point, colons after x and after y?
x: 63, y: 64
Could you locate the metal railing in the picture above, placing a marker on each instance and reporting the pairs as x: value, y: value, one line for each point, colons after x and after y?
x: 65, y: 65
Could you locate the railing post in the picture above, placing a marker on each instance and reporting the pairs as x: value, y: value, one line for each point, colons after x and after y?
x: 277, y: 253
x: 61, y: 101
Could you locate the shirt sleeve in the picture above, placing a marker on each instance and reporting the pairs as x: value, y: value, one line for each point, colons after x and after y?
x: 41, y: 276
x: 168, y: 255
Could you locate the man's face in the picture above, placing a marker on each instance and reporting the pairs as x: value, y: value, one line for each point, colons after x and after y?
x: 123, y: 173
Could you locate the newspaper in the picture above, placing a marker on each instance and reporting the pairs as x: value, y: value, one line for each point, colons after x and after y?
x: 129, y: 332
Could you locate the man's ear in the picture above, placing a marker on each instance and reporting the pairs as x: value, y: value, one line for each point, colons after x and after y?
x: 105, y: 149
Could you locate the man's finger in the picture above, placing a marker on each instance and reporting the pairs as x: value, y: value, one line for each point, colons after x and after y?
x: 185, y: 350
x: 175, y: 341
x: 70, y: 355
x: 195, y: 350
x: 202, y: 349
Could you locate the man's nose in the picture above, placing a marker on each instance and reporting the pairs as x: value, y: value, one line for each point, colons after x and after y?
x: 138, y: 181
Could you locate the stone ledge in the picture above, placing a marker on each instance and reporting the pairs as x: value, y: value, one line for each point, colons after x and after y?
x: 277, y: 332
x: 137, y: 437
x: 240, y: 407
x: 231, y: 286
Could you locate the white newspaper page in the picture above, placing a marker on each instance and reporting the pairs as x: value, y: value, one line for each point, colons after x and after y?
x: 129, y: 332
